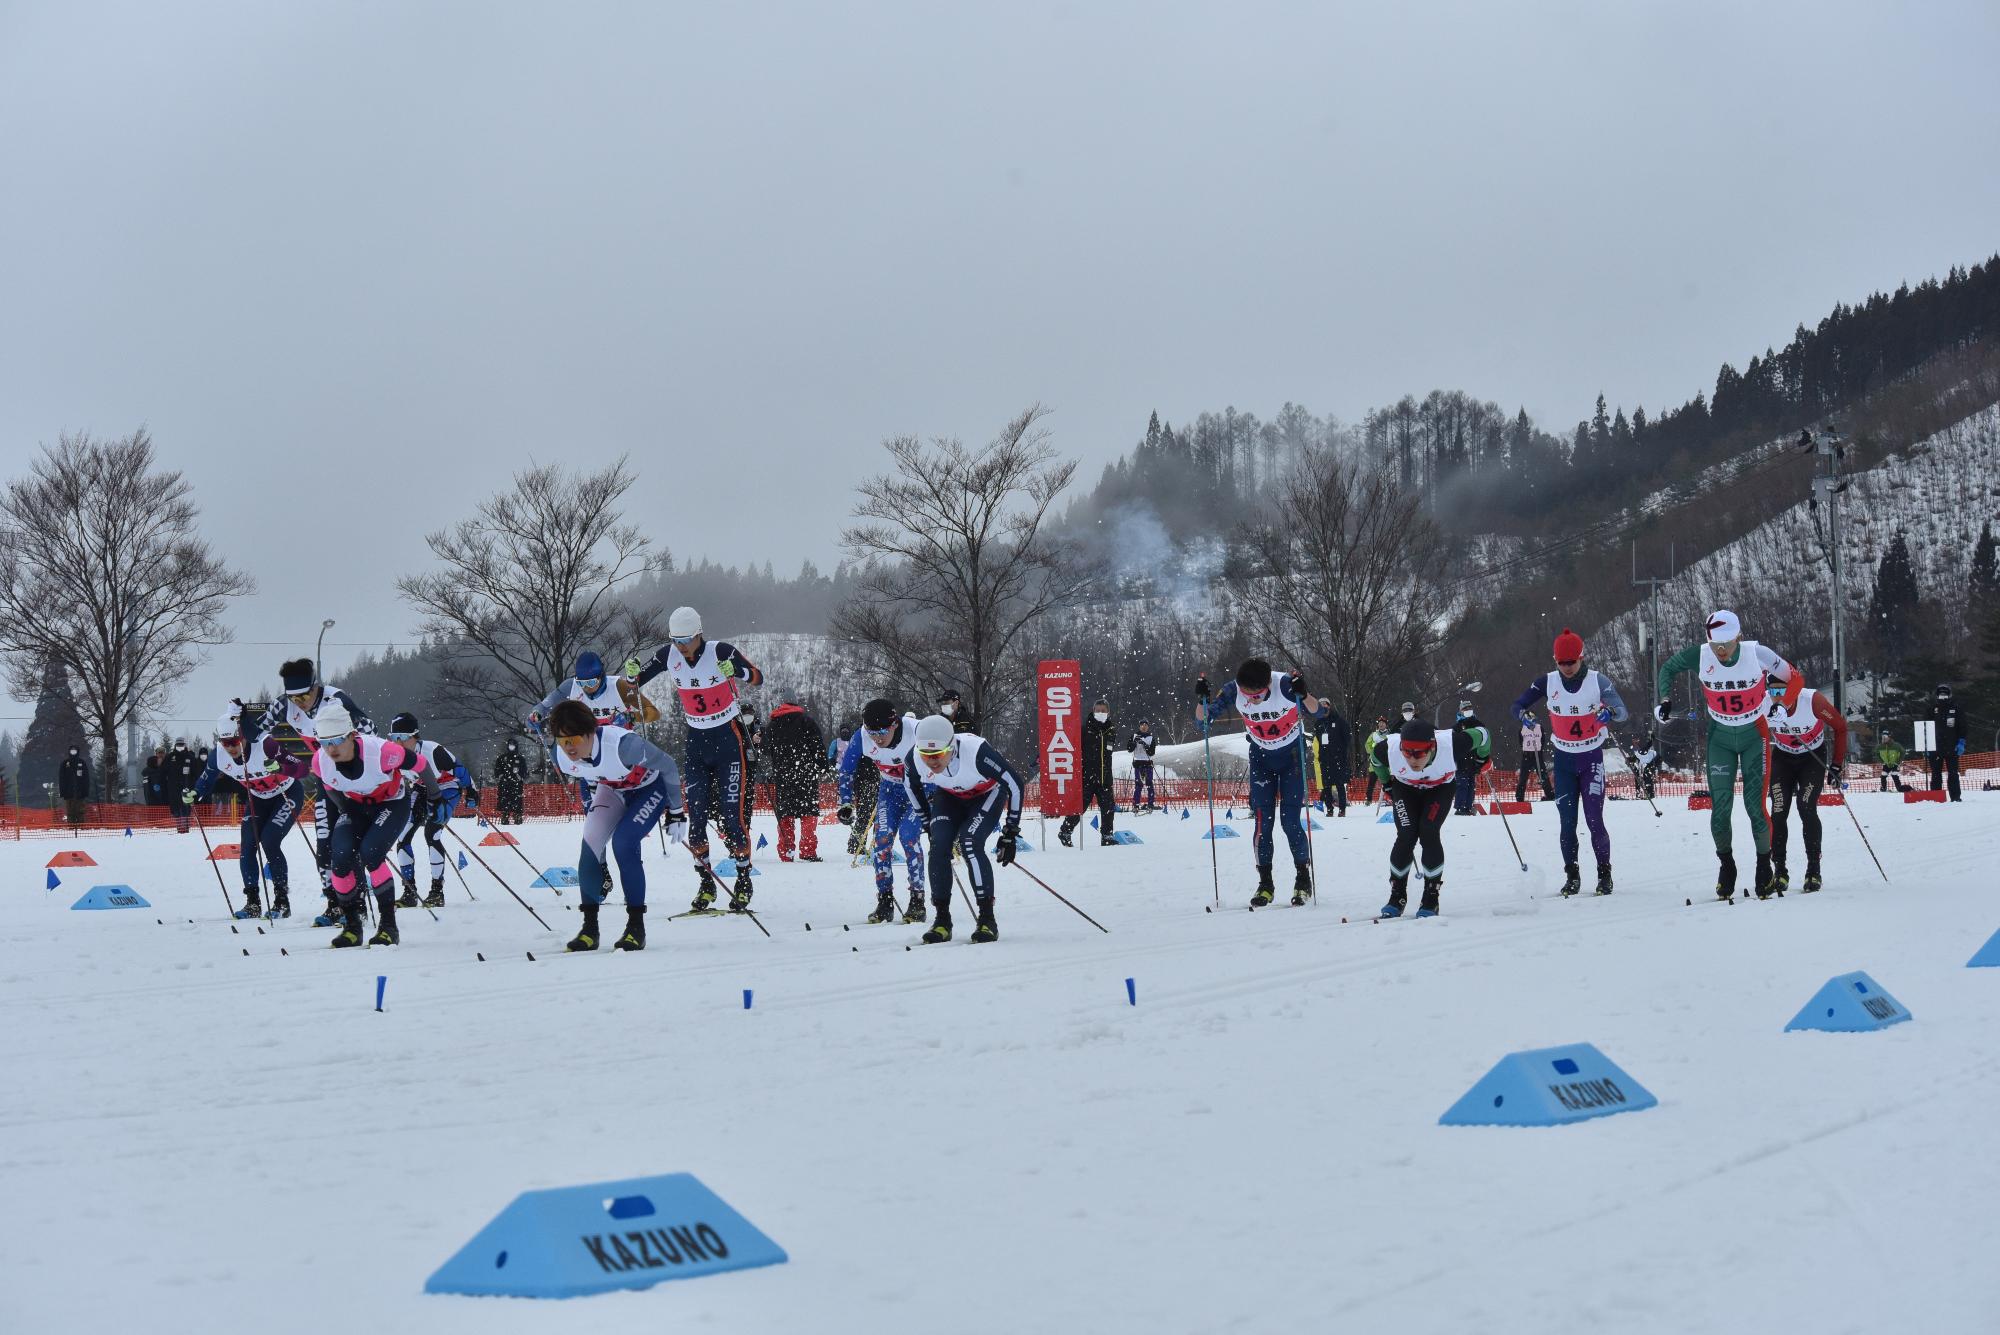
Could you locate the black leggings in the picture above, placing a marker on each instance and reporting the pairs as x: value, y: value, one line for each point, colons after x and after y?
x: 965, y: 821
x: 1420, y: 814
x: 1796, y: 780
x: 362, y: 837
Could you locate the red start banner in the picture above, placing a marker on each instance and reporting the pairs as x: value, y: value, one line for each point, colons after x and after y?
x: 1058, y: 688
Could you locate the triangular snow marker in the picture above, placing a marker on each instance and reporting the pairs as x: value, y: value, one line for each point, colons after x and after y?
x: 461, y: 859
x: 1548, y: 1087
x: 1850, y: 1003
x: 111, y: 897
x: 1386, y: 818
x: 727, y: 867
x: 1185, y: 813
x: 1125, y: 837
x: 569, y: 1242
x: 1988, y: 956
x: 498, y: 837
x: 72, y: 857
x: 226, y: 853
x: 556, y: 877
x: 1220, y: 832
x: 54, y: 880
x: 762, y: 842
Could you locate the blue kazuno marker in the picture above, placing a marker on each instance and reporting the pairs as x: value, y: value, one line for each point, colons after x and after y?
x: 381, y: 986
x: 1131, y: 993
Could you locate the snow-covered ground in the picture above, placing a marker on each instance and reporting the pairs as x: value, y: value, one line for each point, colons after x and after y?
x: 960, y: 1138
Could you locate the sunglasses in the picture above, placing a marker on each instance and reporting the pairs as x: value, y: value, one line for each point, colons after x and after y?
x: 880, y: 734
x: 401, y: 736
x: 683, y: 639
x: 933, y: 750
x: 1567, y: 662
x: 306, y: 694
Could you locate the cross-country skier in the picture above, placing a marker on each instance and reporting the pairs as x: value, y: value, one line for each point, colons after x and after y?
x: 1142, y: 746
x: 716, y: 763
x: 1735, y: 676
x: 883, y: 741
x: 304, y: 693
x: 1270, y: 704
x: 1419, y: 770
x: 1094, y: 766
x: 1534, y: 756
x: 369, y: 781
x: 634, y: 785
x: 1375, y: 738
x: 957, y: 784
x: 1582, y: 703
x: 1802, y: 764
x: 431, y: 815
x: 271, y: 778
x: 592, y: 687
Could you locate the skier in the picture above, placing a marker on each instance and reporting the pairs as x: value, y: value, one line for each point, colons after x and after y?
x: 1735, y: 676
x: 883, y: 743
x: 271, y: 778
x: 1418, y: 771
x: 797, y: 750
x: 1270, y: 704
x: 1534, y: 759
x: 369, y: 781
x: 1950, y: 743
x: 716, y: 763
x: 956, y: 784
x: 1646, y: 762
x: 1142, y: 746
x: 1094, y: 767
x: 1463, y: 801
x: 589, y: 685
x: 431, y: 815
x: 1801, y: 767
x: 1582, y: 703
x: 634, y: 785
x: 304, y: 693
x: 510, y: 774
x: 1375, y: 739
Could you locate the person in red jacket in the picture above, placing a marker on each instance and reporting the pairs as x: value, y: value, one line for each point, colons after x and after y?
x: 1808, y: 751
x: 796, y: 749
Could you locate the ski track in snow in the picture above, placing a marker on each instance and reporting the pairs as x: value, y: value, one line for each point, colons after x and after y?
x: 991, y: 1139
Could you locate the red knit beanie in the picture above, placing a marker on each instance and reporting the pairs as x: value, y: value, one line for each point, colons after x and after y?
x: 1569, y: 645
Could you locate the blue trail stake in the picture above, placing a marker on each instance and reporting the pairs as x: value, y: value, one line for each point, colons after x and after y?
x: 746, y: 998
x: 381, y: 986
x: 1131, y: 993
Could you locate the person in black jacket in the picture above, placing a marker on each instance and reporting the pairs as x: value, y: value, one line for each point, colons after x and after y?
x: 952, y: 706
x: 510, y: 773
x: 73, y: 785
x: 796, y: 749
x: 1335, y: 765
x: 153, y: 779
x: 1950, y: 741
x: 1094, y: 767
x: 183, y: 768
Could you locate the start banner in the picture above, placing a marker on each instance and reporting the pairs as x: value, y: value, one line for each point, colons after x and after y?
x: 1058, y: 687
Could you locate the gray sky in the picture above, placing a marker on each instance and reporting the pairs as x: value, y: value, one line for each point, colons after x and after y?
x: 352, y: 263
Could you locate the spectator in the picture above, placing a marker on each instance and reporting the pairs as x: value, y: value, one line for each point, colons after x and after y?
x: 1094, y: 763
x: 183, y: 768
x: 1889, y: 754
x: 1375, y: 739
x: 1143, y: 746
x: 1466, y: 777
x: 154, y: 780
x: 796, y: 748
x: 1950, y: 741
x: 834, y: 748
x: 1534, y: 757
x: 73, y: 785
x: 952, y: 706
x: 510, y: 775
x: 1332, y: 740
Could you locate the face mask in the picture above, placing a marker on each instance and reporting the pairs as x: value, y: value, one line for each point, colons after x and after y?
x: 1409, y: 713
x: 1100, y: 715
x: 947, y: 709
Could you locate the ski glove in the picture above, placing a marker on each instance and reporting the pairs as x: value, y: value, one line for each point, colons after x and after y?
x: 1299, y: 688
x: 1201, y: 687
x: 1960, y: 750
x: 632, y: 669
x: 728, y: 667
x: 845, y: 815
x: 676, y: 826
x: 1664, y: 711
x: 1003, y: 847
x: 188, y: 797
x: 1604, y: 714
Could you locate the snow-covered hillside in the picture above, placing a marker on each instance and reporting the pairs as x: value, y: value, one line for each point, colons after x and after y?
x: 204, y: 1134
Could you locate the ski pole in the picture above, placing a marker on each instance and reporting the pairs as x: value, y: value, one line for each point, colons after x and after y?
x: 1305, y: 793
x: 1052, y: 890
x: 1631, y: 762
x: 227, y: 902
x: 1826, y: 771
x: 1495, y: 799
x: 496, y: 876
x: 1208, y: 767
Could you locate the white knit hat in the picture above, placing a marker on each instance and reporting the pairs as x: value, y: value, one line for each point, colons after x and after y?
x: 1723, y: 627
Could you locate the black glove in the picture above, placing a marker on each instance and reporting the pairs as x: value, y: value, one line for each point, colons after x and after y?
x: 1003, y: 847
x: 845, y: 815
x: 1299, y: 688
x: 1201, y: 687
x: 1664, y: 711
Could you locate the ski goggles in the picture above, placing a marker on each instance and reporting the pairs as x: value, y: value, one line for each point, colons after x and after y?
x: 401, y: 736
x: 683, y: 639
x: 591, y: 685
x: 934, y: 751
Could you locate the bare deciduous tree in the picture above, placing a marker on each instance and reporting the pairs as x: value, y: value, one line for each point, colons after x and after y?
x: 527, y: 583
x: 1352, y: 580
x: 960, y: 562
x: 102, y: 575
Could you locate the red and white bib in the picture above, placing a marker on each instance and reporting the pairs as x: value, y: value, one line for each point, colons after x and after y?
x: 889, y: 760
x: 381, y: 779
x: 256, y: 772
x: 1443, y: 768
x: 446, y: 778
x: 708, y: 698
x: 1573, y: 722
x: 1797, y: 730
x: 1273, y: 722
x: 1734, y: 692
x: 604, y: 766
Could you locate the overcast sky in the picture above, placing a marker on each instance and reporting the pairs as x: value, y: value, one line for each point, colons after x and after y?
x: 352, y: 263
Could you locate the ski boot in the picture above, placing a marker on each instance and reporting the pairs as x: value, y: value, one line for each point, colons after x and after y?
x: 251, y: 907
x: 1399, y: 896
x: 331, y: 916
x: 1725, y: 877
x: 811, y: 857
x: 386, y: 933
x: 1302, y: 885
x: 987, y: 929
x: 704, y: 897
x: 1603, y: 878
x: 1766, y: 887
x: 739, y: 898
x: 885, y: 909
x: 1572, y: 879
x: 350, y: 929
x: 409, y: 899
x: 635, y: 929
x: 916, y: 911
x: 586, y: 938
x: 1265, y: 890
x: 1812, y: 882
x: 941, y: 927
x: 435, y: 899
x: 1427, y: 907
x: 1105, y: 840
x: 1062, y: 834
x: 1780, y: 878
x: 281, y: 902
